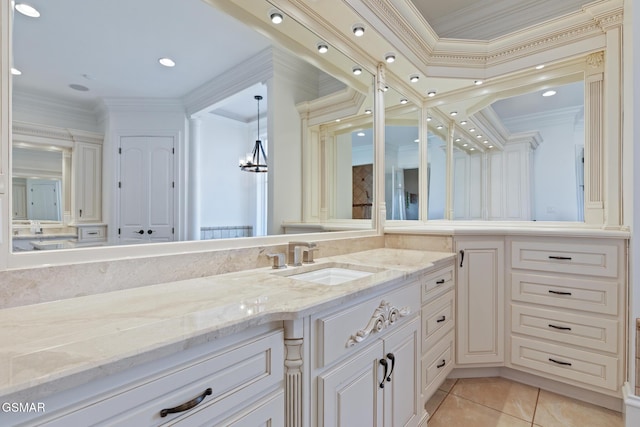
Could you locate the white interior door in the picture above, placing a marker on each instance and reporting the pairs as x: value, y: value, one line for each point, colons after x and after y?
x: 43, y: 199
x: 146, y: 189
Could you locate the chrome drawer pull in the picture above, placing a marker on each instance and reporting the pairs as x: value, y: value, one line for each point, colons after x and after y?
x: 440, y: 282
x: 559, y: 292
x: 559, y: 363
x: 442, y: 319
x: 441, y: 364
x: 562, y: 328
x: 568, y: 258
x: 188, y: 405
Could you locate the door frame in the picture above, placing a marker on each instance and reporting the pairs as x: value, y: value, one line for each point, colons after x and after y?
x: 179, y: 170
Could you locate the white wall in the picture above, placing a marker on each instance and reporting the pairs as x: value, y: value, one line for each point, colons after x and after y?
x: 437, y: 159
x: 228, y: 195
x: 344, y: 176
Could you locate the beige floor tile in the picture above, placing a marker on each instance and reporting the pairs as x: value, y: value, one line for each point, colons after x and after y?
x: 554, y: 410
x: 503, y: 395
x: 435, y: 401
x: 448, y: 384
x: 458, y: 412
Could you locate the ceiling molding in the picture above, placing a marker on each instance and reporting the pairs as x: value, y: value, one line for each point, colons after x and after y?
x: 345, y: 103
x: 43, y: 135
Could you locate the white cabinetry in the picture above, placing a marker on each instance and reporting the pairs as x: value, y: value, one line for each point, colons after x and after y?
x: 366, y: 362
x: 567, y: 299
x: 480, y: 302
x: 438, y: 334
x: 87, y: 182
x: 239, y: 383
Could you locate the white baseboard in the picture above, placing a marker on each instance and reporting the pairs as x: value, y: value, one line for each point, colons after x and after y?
x: 631, y: 406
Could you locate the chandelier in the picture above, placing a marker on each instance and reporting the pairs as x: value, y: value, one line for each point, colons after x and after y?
x: 256, y: 161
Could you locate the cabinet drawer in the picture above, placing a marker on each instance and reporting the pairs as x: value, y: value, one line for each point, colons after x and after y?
x: 234, y: 376
x: 92, y: 233
x: 437, y: 319
x: 585, y: 331
x: 342, y: 332
x: 437, y: 363
x: 440, y: 280
x: 577, y: 294
x: 577, y: 365
x: 584, y: 259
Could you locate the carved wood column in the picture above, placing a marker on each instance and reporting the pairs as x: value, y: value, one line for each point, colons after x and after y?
x: 293, y: 363
x: 594, y: 150
x: 379, y: 214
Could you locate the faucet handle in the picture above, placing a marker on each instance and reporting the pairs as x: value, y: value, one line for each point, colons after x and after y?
x: 278, y: 260
x: 307, y: 254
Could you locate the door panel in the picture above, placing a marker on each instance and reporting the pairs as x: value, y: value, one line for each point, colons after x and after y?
x: 146, y: 189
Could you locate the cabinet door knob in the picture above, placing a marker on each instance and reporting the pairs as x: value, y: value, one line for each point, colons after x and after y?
x: 187, y: 405
x: 384, y: 363
x: 391, y: 357
x: 139, y: 232
x: 149, y: 231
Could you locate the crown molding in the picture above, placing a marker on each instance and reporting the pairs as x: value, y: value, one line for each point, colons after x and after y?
x: 32, y: 133
x: 344, y: 103
x: 147, y: 105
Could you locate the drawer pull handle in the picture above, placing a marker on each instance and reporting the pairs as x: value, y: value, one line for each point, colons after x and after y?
x: 461, y: 257
x: 188, y: 405
x: 568, y: 258
x: 559, y: 362
x: 391, y: 357
x: 440, y: 282
x: 562, y: 328
x: 442, y: 319
x: 92, y: 233
x: 384, y: 363
x: 441, y: 364
x: 559, y: 292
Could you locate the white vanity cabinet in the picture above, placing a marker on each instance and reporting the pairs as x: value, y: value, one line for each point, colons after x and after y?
x: 87, y: 182
x: 567, y: 310
x: 236, y: 381
x: 365, y: 362
x: 438, y: 328
x: 480, y: 301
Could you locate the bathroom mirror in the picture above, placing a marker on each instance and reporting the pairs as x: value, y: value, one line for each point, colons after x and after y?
x: 519, y: 154
x: 402, y: 157
x: 70, y: 93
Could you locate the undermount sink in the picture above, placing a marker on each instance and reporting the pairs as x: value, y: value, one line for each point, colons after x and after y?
x: 331, y: 274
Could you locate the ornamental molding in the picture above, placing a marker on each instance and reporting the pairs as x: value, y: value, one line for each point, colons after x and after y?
x: 595, y: 60
x: 37, y: 133
x: 383, y: 317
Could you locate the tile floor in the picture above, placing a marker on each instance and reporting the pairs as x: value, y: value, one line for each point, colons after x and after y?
x: 498, y: 402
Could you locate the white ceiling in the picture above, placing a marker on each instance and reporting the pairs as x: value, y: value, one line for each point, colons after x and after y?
x: 488, y: 19
x: 112, y: 47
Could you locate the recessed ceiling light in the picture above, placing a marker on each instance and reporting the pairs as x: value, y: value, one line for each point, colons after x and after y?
x: 386, y: 88
x: 549, y: 93
x: 27, y: 10
x: 358, y: 30
x: 464, y: 122
x: 465, y: 145
x: 404, y: 101
x: 357, y: 71
x: 360, y: 134
x: 439, y: 127
x: 78, y: 87
x: 15, y: 71
x: 540, y: 67
x: 491, y: 146
x: 431, y: 93
x: 485, y: 142
x: 167, y: 62
x: 416, y: 140
x: 390, y: 57
x: 453, y: 113
x: 367, y: 111
x: 428, y: 118
x: 322, y: 47
x: 276, y: 17
x: 478, y: 82
x: 458, y: 139
x: 472, y: 149
x: 478, y: 136
x: 337, y: 120
x: 472, y: 130
x: 414, y: 78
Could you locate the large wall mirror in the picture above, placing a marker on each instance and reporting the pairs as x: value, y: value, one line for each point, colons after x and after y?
x: 150, y: 152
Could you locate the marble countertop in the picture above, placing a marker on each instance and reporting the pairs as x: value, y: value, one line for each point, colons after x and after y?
x: 57, y: 345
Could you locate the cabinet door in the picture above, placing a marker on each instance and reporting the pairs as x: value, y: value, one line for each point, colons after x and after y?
x: 402, y: 393
x: 480, y: 302
x: 87, y: 159
x: 350, y: 393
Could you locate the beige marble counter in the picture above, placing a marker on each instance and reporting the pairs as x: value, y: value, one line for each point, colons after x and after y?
x: 57, y: 345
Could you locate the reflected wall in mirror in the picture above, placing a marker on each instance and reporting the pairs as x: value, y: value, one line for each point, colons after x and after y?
x: 436, y: 167
x: 196, y: 119
x: 402, y: 157
x: 519, y: 154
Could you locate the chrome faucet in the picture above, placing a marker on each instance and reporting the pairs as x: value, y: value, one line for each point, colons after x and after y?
x: 300, y: 252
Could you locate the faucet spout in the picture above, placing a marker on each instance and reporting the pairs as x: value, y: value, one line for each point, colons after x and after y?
x: 301, y: 252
